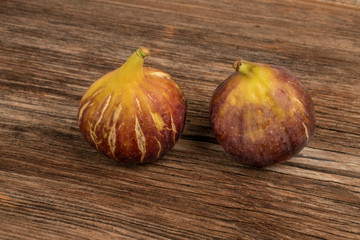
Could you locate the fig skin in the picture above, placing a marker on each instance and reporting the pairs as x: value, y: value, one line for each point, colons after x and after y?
x: 262, y: 114
x: 133, y: 114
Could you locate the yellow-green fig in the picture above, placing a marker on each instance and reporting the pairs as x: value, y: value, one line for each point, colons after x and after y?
x: 133, y: 114
x: 262, y: 114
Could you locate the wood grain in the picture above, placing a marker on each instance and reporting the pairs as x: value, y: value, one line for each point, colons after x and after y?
x: 54, y: 186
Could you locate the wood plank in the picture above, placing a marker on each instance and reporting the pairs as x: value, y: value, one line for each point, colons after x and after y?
x: 54, y: 186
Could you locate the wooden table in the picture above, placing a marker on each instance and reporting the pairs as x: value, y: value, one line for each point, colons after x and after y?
x: 53, y: 185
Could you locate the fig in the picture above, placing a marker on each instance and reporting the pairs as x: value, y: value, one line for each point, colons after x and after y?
x: 133, y: 114
x: 262, y: 114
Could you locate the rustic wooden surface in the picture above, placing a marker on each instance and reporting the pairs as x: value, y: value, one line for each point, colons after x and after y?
x: 54, y: 186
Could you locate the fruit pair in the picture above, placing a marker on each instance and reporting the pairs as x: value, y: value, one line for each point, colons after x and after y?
x: 261, y: 114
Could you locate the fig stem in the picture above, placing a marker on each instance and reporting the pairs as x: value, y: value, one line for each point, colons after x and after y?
x: 131, y: 70
x: 237, y: 64
x: 143, y: 52
x: 243, y: 66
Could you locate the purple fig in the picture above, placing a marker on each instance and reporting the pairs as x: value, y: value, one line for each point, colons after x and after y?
x: 133, y: 114
x: 262, y: 114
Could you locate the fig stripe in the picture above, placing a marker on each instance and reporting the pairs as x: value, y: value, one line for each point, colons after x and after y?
x: 54, y: 186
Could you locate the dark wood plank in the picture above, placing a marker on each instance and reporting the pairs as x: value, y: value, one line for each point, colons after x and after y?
x: 54, y: 186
